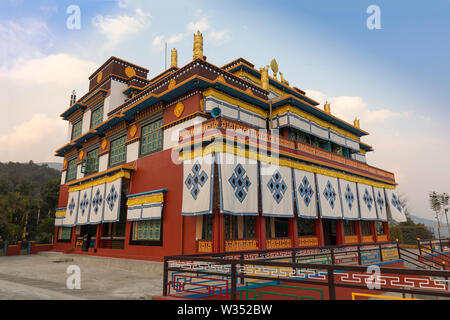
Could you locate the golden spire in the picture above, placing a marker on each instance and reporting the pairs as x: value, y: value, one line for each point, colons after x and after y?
x: 356, y: 123
x: 327, y: 108
x: 198, y: 45
x: 264, y: 78
x: 174, y: 58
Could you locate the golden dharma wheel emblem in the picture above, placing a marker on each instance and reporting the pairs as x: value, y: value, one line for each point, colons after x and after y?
x: 104, y: 143
x: 133, y: 130
x: 99, y: 77
x: 274, y: 67
x: 130, y: 72
x: 172, y: 84
x: 179, y: 108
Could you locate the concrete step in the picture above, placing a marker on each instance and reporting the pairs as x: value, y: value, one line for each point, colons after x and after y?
x: 141, y: 266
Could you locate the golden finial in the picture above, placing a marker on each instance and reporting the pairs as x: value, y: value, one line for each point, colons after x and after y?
x: 174, y: 58
x: 356, y: 123
x: 274, y: 67
x: 198, y: 45
x: 327, y: 108
x: 264, y: 78
x: 284, y: 81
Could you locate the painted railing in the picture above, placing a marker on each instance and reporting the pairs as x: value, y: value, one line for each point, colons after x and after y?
x: 256, y: 275
x: 278, y: 243
x: 204, y: 246
x: 241, y: 244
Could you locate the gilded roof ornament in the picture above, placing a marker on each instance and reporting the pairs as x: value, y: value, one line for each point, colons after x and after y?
x: 274, y: 67
x: 174, y: 58
x: 198, y: 45
x: 284, y: 81
x: 264, y: 78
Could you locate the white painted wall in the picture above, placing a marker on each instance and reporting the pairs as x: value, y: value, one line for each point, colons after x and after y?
x: 63, y: 177
x: 69, y: 131
x: 116, y: 97
x: 171, y: 135
x: 79, y: 174
x: 133, y: 151
x: 103, y: 162
x: 86, y: 121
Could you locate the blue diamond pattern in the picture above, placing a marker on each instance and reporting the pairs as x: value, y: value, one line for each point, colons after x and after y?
x: 112, y: 197
x: 349, y: 197
x: 196, y: 180
x: 277, y: 186
x: 240, y: 183
x: 330, y: 194
x: 368, y: 199
x: 396, y: 202
x: 305, y: 191
x: 71, y: 206
x: 380, y: 201
x: 84, y: 203
x: 97, y: 201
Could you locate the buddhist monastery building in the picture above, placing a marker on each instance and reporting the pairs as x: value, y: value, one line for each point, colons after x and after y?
x: 202, y: 158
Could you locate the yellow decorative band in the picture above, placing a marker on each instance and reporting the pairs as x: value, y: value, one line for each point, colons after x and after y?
x: 154, y: 198
x: 300, y: 113
x: 90, y: 184
x: 60, y: 213
x: 219, y: 95
x: 215, y: 147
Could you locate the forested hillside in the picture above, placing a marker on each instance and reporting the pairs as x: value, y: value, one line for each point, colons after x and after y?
x: 28, y: 199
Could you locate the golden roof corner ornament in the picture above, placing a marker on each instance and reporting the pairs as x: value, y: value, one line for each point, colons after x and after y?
x: 356, y: 123
x: 274, y: 67
x: 284, y: 81
x: 264, y: 78
x: 198, y: 45
x: 174, y: 58
x: 327, y: 108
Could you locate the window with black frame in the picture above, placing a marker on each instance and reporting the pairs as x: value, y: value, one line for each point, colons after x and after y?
x: 277, y: 227
x: 306, y: 227
x: 365, y: 228
x: 71, y: 170
x: 118, y: 152
x: 349, y: 228
x: 64, y: 234
x: 207, y: 227
x: 151, y: 140
x: 91, y: 165
x: 380, y: 227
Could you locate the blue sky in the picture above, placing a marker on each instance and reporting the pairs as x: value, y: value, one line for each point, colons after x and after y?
x: 396, y: 79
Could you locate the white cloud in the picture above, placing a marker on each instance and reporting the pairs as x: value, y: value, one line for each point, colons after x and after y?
x: 25, y: 38
x: 38, y: 87
x: 350, y: 107
x: 122, y: 3
x: 202, y: 24
x: 218, y: 37
x: 35, y: 139
x: 175, y: 38
x: 117, y: 28
x: 158, y: 42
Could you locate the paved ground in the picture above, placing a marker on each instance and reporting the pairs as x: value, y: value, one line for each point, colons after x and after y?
x: 44, y: 277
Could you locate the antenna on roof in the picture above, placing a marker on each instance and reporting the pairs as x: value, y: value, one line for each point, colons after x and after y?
x: 73, y: 97
x: 165, y: 57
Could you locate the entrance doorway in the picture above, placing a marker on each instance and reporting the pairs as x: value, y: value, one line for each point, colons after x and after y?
x: 329, y: 232
x: 88, y: 234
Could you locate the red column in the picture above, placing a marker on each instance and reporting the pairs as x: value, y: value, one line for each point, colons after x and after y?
x: 319, y: 231
x: 262, y: 231
x: 98, y: 235
x: 216, y: 230
x: 293, y: 231
x: 340, y: 237
x: 358, y: 230
x: 386, y: 230
x: 373, y: 231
